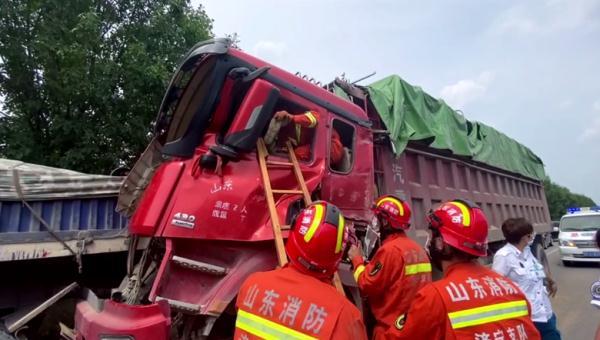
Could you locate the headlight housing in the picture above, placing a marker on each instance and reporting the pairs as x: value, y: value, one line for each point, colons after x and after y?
x: 567, y: 243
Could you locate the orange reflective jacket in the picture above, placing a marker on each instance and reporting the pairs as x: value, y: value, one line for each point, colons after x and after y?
x: 286, y: 304
x: 391, y: 280
x: 471, y: 302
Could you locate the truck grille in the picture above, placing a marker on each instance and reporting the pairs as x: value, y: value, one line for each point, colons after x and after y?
x: 585, y: 244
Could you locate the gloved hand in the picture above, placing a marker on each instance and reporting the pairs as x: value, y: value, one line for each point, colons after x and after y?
x: 283, y: 115
x: 355, y: 250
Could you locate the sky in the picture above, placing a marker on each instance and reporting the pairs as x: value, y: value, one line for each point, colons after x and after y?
x: 531, y: 69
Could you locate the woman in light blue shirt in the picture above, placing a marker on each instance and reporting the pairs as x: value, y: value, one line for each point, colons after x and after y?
x: 516, y: 262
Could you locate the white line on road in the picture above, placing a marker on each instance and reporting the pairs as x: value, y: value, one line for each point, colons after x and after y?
x: 552, y: 251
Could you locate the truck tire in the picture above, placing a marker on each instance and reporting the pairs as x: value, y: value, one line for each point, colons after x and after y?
x: 567, y: 263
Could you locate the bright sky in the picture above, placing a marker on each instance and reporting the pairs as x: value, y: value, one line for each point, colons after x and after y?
x: 530, y: 69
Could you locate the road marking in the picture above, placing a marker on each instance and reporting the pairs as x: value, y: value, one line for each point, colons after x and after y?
x: 551, y: 251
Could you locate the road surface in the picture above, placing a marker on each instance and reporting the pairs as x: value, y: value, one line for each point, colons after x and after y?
x: 577, y: 319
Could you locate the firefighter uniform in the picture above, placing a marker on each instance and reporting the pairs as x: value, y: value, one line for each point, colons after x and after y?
x: 391, y: 280
x: 310, y: 120
x: 287, y: 304
x: 470, y: 302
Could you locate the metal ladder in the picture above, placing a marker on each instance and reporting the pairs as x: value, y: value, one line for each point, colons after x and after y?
x: 265, y: 164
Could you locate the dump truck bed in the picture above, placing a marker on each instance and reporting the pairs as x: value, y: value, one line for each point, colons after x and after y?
x: 427, y: 177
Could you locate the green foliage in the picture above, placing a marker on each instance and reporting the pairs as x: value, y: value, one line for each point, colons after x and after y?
x: 560, y: 198
x: 83, y: 79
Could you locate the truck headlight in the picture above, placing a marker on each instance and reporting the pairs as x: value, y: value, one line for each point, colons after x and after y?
x: 566, y: 243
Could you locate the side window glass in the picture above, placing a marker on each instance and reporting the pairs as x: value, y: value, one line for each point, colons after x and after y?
x: 341, y: 147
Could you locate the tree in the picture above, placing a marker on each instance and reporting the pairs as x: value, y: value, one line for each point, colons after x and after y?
x: 560, y: 198
x: 83, y: 79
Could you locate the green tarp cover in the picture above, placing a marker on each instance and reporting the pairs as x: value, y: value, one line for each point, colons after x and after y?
x: 410, y: 114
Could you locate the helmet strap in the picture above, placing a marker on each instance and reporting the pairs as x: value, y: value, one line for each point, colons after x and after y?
x: 311, y: 267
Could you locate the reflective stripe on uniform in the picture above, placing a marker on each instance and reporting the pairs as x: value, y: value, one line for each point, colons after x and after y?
x: 359, y: 270
x: 487, y: 314
x: 312, y: 118
x: 417, y: 268
x: 315, y: 223
x: 313, y: 122
x: 340, y: 234
x: 266, y: 329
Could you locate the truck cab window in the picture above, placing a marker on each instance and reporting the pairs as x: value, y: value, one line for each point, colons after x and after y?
x: 187, y: 91
x: 294, y: 123
x: 341, y: 147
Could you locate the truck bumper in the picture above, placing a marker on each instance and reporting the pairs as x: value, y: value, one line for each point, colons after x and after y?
x: 106, y: 319
x: 575, y: 254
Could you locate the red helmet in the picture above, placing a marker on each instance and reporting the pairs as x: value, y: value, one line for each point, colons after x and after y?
x: 316, y: 244
x: 462, y: 225
x: 394, y: 210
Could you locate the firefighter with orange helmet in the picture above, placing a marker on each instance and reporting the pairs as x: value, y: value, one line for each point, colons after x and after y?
x: 299, y: 301
x: 399, y: 268
x: 471, y: 301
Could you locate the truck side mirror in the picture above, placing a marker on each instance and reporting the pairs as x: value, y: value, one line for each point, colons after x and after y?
x: 250, y: 120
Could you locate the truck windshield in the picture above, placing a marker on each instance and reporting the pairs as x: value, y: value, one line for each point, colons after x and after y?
x: 580, y: 223
x: 187, y: 91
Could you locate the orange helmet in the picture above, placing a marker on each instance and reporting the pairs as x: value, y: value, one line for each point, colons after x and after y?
x: 394, y: 210
x: 316, y: 244
x: 462, y: 226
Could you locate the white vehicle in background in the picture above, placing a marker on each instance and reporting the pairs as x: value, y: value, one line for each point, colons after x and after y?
x: 577, y: 231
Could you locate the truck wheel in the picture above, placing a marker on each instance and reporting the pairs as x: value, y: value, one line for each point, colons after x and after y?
x: 567, y: 263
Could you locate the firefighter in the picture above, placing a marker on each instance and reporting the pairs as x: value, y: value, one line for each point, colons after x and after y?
x: 299, y: 300
x: 398, y: 270
x: 310, y: 119
x: 471, y: 301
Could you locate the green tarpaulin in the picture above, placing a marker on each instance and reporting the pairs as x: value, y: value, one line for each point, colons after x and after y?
x: 410, y: 114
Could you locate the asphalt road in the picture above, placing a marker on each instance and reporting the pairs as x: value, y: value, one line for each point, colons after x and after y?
x: 577, y: 319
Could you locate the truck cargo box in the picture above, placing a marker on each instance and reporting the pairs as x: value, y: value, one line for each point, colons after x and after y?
x: 77, y: 207
x: 427, y: 153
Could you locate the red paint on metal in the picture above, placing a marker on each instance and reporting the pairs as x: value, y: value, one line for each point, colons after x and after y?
x: 150, y: 322
x: 153, y: 203
x: 302, y: 85
x: 212, y: 292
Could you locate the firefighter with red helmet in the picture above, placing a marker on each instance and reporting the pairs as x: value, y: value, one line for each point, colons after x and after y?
x: 299, y: 301
x: 398, y: 270
x: 471, y: 301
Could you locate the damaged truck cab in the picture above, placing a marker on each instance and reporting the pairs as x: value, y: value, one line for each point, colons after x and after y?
x: 197, y: 191
x: 196, y: 195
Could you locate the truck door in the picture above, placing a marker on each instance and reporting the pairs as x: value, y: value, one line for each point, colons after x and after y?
x: 349, y: 182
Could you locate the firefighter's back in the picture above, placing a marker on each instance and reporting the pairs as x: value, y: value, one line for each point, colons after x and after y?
x: 480, y: 304
x: 285, y: 303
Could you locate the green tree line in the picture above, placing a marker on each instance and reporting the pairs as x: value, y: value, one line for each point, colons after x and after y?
x: 82, y: 80
x: 560, y: 198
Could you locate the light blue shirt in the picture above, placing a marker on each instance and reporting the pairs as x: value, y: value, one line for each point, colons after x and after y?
x: 527, y: 272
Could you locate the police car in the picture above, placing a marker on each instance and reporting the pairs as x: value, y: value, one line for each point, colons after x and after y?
x: 577, y: 231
